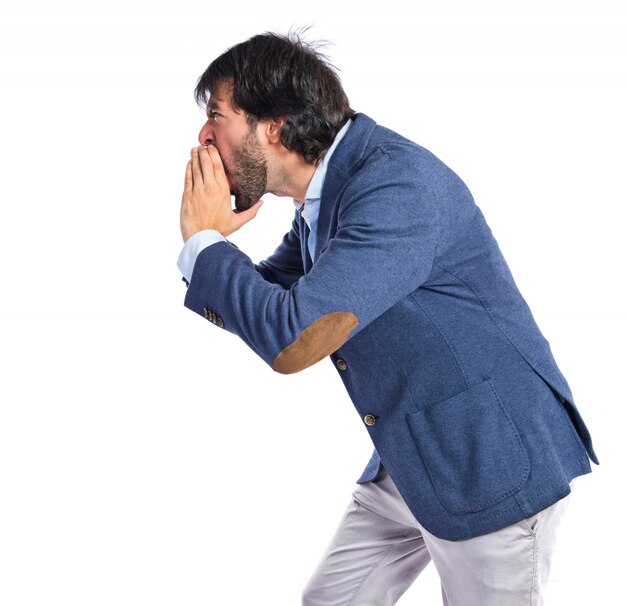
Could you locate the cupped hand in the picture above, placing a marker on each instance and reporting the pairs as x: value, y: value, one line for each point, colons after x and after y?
x: 206, y: 197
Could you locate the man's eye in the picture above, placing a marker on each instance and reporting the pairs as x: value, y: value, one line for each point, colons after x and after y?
x: 213, y: 115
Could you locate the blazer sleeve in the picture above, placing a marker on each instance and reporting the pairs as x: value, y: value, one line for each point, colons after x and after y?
x: 284, y: 266
x: 383, y: 249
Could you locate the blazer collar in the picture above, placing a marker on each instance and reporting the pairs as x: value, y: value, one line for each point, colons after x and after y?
x: 345, y: 161
x: 346, y: 158
x: 351, y: 148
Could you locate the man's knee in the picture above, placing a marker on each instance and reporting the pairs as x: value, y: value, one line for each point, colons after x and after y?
x: 311, y: 594
x: 319, y: 593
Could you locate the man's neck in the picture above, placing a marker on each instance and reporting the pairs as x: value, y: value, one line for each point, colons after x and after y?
x: 292, y: 176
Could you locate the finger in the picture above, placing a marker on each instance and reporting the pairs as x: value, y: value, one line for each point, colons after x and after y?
x: 218, y: 165
x: 244, y: 216
x: 206, y: 165
x: 188, y: 178
x: 196, y: 171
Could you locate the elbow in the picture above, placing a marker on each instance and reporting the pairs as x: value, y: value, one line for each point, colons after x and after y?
x: 318, y: 340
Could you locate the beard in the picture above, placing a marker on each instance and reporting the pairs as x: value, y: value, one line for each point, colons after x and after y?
x: 248, y: 173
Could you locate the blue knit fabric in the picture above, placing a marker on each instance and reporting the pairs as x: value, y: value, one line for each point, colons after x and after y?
x: 474, y: 421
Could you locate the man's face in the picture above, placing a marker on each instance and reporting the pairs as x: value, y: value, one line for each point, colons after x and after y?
x: 236, y: 140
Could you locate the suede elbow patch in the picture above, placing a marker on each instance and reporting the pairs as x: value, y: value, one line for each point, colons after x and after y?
x: 316, y: 341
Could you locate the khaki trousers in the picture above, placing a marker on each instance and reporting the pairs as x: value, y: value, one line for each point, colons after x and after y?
x: 379, y: 549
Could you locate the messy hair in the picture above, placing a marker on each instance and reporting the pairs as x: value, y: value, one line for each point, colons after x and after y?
x: 282, y: 76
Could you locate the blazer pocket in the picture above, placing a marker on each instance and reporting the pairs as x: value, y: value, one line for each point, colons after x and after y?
x: 472, y: 451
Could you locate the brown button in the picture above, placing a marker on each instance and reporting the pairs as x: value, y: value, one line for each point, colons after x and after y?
x: 341, y: 364
x: 369, y: 420
x: 220, y: 322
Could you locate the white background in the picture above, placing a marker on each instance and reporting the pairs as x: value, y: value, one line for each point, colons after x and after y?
x: 147, y: 457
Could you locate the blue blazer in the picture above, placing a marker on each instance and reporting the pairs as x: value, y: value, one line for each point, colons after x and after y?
x: 410, y: 296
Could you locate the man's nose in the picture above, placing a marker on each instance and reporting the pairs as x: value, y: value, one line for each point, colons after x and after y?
x: 205, y: 137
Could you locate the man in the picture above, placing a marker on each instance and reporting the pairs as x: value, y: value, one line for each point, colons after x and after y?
x: 390, y: 269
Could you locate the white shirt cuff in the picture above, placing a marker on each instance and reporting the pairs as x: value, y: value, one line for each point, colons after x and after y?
x: 193, y: 247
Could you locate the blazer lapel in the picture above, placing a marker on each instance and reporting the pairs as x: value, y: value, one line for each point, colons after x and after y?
x: 344, y: 161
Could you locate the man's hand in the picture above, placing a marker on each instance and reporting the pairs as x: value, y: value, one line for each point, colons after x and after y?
x: 206, y: 197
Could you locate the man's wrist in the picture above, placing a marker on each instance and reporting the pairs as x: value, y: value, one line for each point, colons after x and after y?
x: 194, y: 245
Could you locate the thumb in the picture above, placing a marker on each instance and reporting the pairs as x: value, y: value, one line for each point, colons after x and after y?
x: 242, y: 217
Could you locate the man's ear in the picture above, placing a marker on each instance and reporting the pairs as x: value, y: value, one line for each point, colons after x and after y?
x: 273, y: 128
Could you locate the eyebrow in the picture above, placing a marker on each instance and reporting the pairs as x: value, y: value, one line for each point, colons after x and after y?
x: 213, y: 104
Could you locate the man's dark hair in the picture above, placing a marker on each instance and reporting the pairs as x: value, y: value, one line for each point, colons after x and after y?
x: 281, y: 76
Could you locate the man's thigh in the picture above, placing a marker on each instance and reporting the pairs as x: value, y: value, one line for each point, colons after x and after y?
x: 509, y: 567
x: 371, y: 561
x: 380, y: 548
